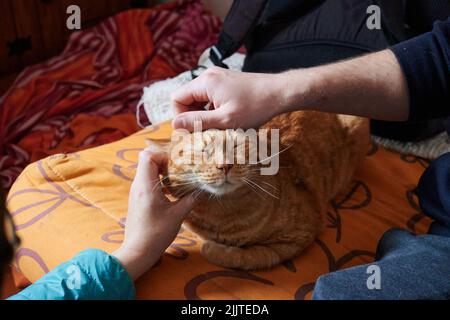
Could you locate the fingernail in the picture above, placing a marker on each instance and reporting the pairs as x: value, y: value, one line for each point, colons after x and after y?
x: 179, y: 123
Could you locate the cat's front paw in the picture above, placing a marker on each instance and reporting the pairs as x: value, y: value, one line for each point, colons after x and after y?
x: 214, y: 252
x: 224, y: 256
x: 249, y: 258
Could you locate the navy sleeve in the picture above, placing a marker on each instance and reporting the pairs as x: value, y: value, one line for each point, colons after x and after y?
x: 433, y: 192
x: 425, y: 61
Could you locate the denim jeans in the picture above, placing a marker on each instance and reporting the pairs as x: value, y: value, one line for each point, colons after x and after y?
x: 409, y: 266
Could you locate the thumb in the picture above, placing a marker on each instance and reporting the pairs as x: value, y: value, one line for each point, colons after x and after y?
x: 208, y: 119
x: 183, y: 206
x: 149, y: 166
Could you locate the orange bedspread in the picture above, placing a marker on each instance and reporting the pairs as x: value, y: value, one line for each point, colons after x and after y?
x: 67, y: 203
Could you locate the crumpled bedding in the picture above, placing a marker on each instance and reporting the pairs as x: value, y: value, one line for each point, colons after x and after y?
x: 87, y: 95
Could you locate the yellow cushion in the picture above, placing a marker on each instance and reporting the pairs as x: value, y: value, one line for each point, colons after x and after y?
x: 67, y: 203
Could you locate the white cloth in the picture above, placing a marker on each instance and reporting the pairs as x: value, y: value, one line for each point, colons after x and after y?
x: 156, y: 98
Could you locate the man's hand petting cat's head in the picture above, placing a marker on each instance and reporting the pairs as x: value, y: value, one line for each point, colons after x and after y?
x: 238, y: 100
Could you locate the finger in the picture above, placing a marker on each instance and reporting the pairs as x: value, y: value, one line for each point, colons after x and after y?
x: 158, y: 154
x: 149, y: 166
x: 181, y: 108
x: 209, y: 120
x: 183, y: 206
x: 192, y: 93
x: 177, y: 108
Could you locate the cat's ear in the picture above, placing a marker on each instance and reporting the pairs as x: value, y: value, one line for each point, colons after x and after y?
x: 158, y: 145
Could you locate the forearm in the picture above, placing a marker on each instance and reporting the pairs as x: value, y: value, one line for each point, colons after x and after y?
x: 371, y: 86
x: 134, y: 262
x: 412, y: 84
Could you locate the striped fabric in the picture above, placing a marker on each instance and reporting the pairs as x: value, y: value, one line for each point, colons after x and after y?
x: 87, y: 95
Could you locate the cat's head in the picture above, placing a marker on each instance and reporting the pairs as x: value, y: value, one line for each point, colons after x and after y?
x: 197, y: 162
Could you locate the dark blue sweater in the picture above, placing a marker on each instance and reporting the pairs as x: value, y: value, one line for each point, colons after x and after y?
x: 425, y: 61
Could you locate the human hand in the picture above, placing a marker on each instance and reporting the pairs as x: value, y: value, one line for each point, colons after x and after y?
x: 153, y: 221
x: 239, y: 100
x: 372, y: 86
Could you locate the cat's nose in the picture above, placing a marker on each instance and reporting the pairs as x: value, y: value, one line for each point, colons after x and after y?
x: 224, y: 167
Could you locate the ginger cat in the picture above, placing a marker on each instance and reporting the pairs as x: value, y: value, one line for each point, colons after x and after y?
x: 251, y: 221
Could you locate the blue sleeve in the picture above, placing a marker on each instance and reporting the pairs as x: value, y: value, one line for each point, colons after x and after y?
x: 91, y: 275
x: 425, y: 61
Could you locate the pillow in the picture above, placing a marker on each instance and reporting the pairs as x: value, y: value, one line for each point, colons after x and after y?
x: 70, y: 202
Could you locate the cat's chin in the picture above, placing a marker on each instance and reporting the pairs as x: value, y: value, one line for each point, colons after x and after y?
x: 222, y: 189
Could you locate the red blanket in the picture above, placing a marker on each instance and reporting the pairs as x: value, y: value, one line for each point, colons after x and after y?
x: 87, y: 95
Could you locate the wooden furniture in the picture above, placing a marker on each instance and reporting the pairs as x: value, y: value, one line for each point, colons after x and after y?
x: 34, y: 30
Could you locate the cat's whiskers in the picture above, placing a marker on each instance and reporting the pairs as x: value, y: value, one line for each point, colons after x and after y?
x: 252, y: 188
x: 252, y: 175
x: 182, y: 192
x: 188, y: 188
x: 267, y: 184
x: 158, y: 183
x: 192, y: 182
x: 167, y: 178
x: 261, y: 188
x: 197, y: 193
x: 276, y: 154
x: 258, y: 170
x: 158, y: 180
